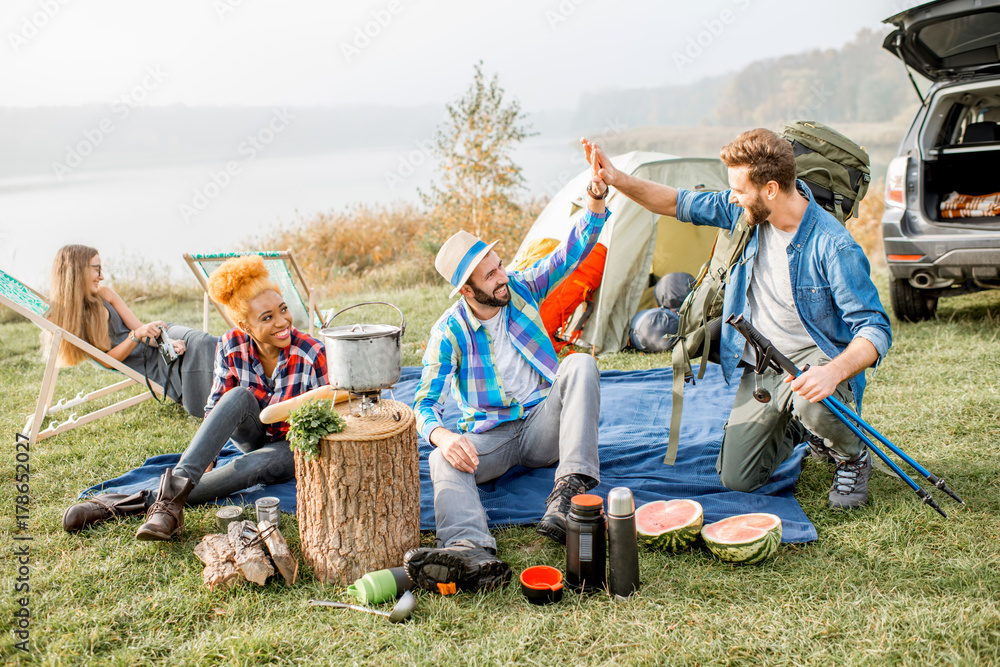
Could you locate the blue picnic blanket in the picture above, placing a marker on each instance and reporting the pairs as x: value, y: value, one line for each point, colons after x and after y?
x: 634, y: 426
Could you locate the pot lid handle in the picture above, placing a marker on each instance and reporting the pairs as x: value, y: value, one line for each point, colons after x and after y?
x: 402, y: 320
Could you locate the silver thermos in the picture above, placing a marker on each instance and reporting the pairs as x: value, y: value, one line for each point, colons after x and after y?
x: 623, y: 548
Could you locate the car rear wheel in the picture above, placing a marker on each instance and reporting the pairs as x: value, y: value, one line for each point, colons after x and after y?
x: 911, y: 303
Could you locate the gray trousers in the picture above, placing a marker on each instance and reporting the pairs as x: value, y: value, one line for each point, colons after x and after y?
x: 760, y: 436
x: 195, y: 369
x: 562, y: 428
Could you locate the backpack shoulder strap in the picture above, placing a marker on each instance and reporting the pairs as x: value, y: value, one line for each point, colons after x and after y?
x: 680, y: 357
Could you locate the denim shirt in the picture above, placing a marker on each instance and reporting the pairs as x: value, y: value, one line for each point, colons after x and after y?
x: 831, y: 282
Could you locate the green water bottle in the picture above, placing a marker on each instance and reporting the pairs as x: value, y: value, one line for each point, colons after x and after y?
x: 380, y: 586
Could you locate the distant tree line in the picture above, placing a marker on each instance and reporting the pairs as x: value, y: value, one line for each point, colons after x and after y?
x: 859, y: 82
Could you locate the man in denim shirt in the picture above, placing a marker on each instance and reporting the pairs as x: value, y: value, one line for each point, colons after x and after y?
x: 804, y: 283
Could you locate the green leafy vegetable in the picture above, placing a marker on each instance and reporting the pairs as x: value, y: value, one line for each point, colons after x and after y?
x: 309, y: 422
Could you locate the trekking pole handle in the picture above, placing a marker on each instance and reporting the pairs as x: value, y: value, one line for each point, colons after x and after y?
x: 761, y: 343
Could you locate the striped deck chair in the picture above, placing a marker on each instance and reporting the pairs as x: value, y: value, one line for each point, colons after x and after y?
x: 284, y: 271
x: 25, y: 301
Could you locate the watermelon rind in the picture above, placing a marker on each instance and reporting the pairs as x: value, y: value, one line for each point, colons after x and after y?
x: 674, y: 538
x: 761, y: 539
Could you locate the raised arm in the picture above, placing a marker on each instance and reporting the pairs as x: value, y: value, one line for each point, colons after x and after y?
x: 660, y: 199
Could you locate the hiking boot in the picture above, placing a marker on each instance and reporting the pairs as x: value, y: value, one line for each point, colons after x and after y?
x: 166, y: 516
x: 446, y: 570
x: 103, y: 508
x: 850, y: 482
x: 818, y: 451
x: 553, y: 524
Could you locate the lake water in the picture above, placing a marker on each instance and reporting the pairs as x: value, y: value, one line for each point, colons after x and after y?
x: 157, y: 214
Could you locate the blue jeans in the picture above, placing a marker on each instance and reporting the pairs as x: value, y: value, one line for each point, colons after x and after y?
x: 236, y: 416
x: 562, y: 428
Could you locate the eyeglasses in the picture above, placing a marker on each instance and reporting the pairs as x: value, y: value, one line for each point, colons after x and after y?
x: 100, y: 272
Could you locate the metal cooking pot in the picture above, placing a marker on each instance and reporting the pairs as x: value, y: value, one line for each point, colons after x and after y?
x: 363, y: 358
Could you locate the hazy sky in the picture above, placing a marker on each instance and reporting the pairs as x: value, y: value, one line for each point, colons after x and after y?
x: 399, y: 52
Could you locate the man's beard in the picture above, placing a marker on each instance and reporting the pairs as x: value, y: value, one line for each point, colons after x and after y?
x: 757, y: 212
x: 489, y: 300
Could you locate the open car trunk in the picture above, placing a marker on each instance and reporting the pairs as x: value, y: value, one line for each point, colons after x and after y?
x: 960, y: 145
x: 965, y: 173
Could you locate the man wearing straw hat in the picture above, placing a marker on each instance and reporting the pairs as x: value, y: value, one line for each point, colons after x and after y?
x: 519, y: 405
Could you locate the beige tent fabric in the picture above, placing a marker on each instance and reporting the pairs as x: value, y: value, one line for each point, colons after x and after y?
x: 638, y: 242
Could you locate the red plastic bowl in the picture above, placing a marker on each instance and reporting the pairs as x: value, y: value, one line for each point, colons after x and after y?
x: 542, y: 584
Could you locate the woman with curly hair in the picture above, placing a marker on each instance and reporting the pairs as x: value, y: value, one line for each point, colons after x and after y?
x: 264, y: 360
x: 83, y: 306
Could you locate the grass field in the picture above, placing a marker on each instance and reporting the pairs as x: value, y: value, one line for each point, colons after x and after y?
x: 892, y: 583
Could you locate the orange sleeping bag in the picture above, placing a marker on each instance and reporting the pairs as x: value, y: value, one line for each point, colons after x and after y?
x: 558, y: 307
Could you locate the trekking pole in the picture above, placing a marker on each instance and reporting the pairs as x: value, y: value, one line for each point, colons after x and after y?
x: 778, y: 361
x: 923, y: 495
x: 932, y: 478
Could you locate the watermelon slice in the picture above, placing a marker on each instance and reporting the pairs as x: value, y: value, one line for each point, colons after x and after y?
x: 744, y: 539
x: 672, y: 525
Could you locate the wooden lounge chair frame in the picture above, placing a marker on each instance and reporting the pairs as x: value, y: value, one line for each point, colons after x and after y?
x: 31, y: 304
x: 303, y: 294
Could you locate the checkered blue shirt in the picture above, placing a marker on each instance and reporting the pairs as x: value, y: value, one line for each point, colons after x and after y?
x: 459, y: 347
x: 301, y: 367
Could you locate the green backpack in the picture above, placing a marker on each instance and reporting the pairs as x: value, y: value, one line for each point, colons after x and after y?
x: 835, y: 168
x: 838, y: 174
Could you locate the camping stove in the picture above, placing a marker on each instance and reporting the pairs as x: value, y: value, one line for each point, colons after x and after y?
x: 368, y: 404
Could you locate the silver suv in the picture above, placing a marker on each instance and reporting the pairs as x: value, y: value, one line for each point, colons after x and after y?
x: 941, y: 227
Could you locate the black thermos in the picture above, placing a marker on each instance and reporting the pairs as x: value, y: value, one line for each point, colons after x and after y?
x: 623, y: 548
x: 586, y: 547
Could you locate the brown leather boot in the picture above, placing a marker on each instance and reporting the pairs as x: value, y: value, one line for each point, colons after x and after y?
x: 102, y: 508
x: 166, y: 517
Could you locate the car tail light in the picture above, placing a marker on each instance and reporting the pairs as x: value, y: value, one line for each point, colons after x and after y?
x: 895, y: 182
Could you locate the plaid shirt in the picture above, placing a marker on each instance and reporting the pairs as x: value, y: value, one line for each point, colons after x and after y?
x: 301, y: 367
x: 460, y: 347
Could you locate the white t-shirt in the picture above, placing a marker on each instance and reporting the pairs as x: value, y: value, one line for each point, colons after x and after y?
x: 518, y: 376
x: 772, y: 308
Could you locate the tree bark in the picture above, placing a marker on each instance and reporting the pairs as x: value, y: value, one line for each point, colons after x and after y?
x: 359, y: 499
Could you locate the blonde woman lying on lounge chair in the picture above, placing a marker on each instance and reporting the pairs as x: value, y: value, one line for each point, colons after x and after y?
x: 95, y: 313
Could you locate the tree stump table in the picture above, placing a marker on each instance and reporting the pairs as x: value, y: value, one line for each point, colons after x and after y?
x: 359, y: 499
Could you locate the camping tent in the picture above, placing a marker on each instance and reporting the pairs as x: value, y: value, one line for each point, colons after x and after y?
x: 642, y: 246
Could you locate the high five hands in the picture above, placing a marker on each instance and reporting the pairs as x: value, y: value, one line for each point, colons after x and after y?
x: 603, y: 173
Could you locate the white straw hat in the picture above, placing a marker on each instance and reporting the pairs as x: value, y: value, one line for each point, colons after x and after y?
x: 459, y: 257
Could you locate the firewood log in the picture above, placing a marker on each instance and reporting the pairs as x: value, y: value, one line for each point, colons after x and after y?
x: 251, y: 561
x: 219, y: 558
x: 288, y: 565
